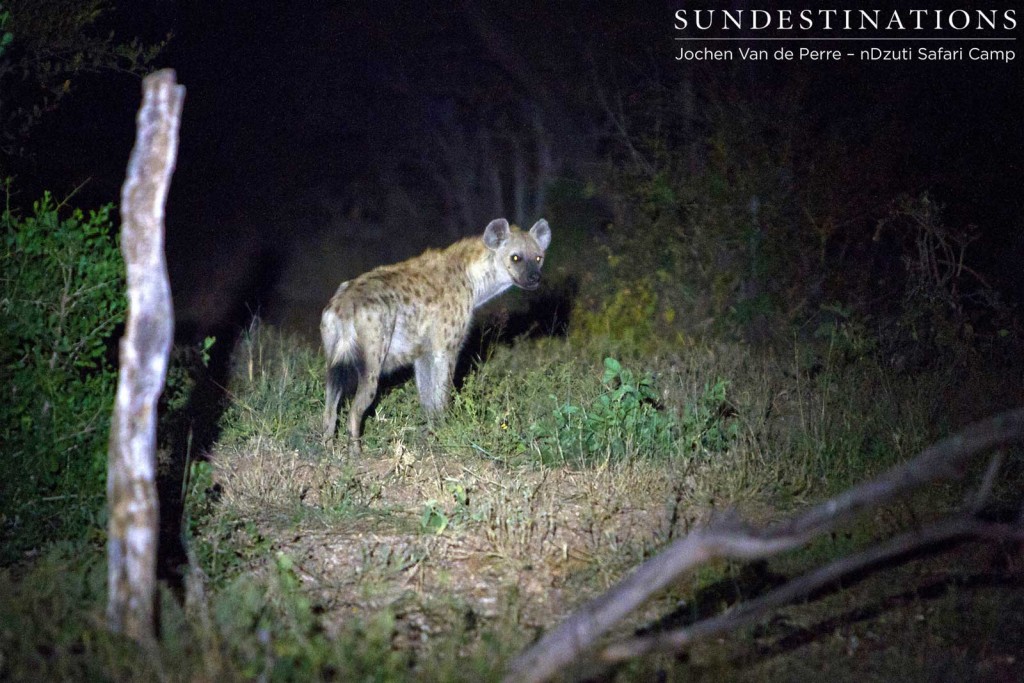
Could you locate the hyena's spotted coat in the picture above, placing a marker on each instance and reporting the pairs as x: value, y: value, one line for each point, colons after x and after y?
x: 419, y: 312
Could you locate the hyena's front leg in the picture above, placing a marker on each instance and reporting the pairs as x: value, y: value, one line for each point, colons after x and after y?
x: 434, y: 371
x: 424, y: 367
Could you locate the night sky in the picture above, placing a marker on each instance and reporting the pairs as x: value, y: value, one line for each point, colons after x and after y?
x: 328, y: 137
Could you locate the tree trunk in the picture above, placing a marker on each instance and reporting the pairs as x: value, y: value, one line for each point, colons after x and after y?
x: 131, y: 485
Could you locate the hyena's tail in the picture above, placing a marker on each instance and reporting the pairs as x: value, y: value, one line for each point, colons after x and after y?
x: 344, y: 363
x: 339, y: 336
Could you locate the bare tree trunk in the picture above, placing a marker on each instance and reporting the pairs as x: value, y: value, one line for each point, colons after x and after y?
x: 131, y: 485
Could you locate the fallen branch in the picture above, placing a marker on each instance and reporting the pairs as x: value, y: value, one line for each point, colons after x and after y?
x: 729, y: 538
x: 754, y: 610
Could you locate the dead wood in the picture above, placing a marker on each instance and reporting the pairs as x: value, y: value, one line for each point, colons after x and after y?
x: 131, y: 485
x: 728, y: 537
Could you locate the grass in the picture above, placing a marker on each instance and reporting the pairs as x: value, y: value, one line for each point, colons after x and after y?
x: 561, y: 465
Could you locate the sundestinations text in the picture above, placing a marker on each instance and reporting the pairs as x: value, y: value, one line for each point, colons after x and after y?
x: 847, y: 20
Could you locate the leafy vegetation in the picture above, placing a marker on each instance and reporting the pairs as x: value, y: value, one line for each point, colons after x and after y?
x: 6, y: 37
x: 620, y: 422
x: 63, y: 299
x: 258, y: 627
x: 46, y: 47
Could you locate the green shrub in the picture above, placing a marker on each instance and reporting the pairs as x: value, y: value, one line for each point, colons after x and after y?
x: 623, y: 420
x: 63, y: 297
x: 712, y: 220
x: 948, y: 311
x: 49, y: 50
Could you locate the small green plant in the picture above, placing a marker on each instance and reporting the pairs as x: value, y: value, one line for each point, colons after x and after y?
x: 63, y: 297
x: 437, y: 517
x: 623, y: 420
x: 705, y: 425
x: 433, y: 519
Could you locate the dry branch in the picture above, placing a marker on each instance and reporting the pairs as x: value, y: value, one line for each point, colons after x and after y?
x: 753, y: 610
x: 131, y: 485
x: 729, y: 538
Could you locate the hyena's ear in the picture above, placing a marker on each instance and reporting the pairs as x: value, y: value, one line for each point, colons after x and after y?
x: 496, y: 234
x: 541, y: 232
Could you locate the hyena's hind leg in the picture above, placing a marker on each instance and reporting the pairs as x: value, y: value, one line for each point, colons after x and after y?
x: 343, y: 364
x: 349, y: 377
x: 340, y: 380
x: 331, y: 401
x: 366, y: 391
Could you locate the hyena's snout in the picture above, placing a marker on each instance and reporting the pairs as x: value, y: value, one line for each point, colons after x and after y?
x: 530, y: 279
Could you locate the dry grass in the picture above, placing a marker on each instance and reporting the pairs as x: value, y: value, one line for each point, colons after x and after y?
x: 462, y: 532
x: 545, y: 538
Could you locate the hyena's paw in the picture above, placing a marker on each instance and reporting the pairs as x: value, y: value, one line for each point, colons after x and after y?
x: 336, y: 445
x: 355, y: 448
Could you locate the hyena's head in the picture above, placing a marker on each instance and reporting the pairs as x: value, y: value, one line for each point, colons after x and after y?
x: 519, y: 253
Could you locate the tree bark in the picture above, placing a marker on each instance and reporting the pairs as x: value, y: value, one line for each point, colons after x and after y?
x: 131, y: 482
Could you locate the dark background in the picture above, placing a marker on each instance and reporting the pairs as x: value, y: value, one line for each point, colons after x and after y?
x: 322, y: 138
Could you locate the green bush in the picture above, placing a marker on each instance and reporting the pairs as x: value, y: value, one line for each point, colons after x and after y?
x: 623, y: 420
x: 712, y: 220
x: 948, y: 312
x: 630, y: 315
x: 63, y: 297
x: 49, y: 50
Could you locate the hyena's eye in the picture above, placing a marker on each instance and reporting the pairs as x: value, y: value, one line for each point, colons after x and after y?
x: 516, y: 258
x: 538, y: 259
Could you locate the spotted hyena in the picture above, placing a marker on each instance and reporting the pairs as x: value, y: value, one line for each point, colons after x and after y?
x: 419, y: 312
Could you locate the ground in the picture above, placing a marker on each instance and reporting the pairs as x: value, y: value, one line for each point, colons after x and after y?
x: 462, y: 545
